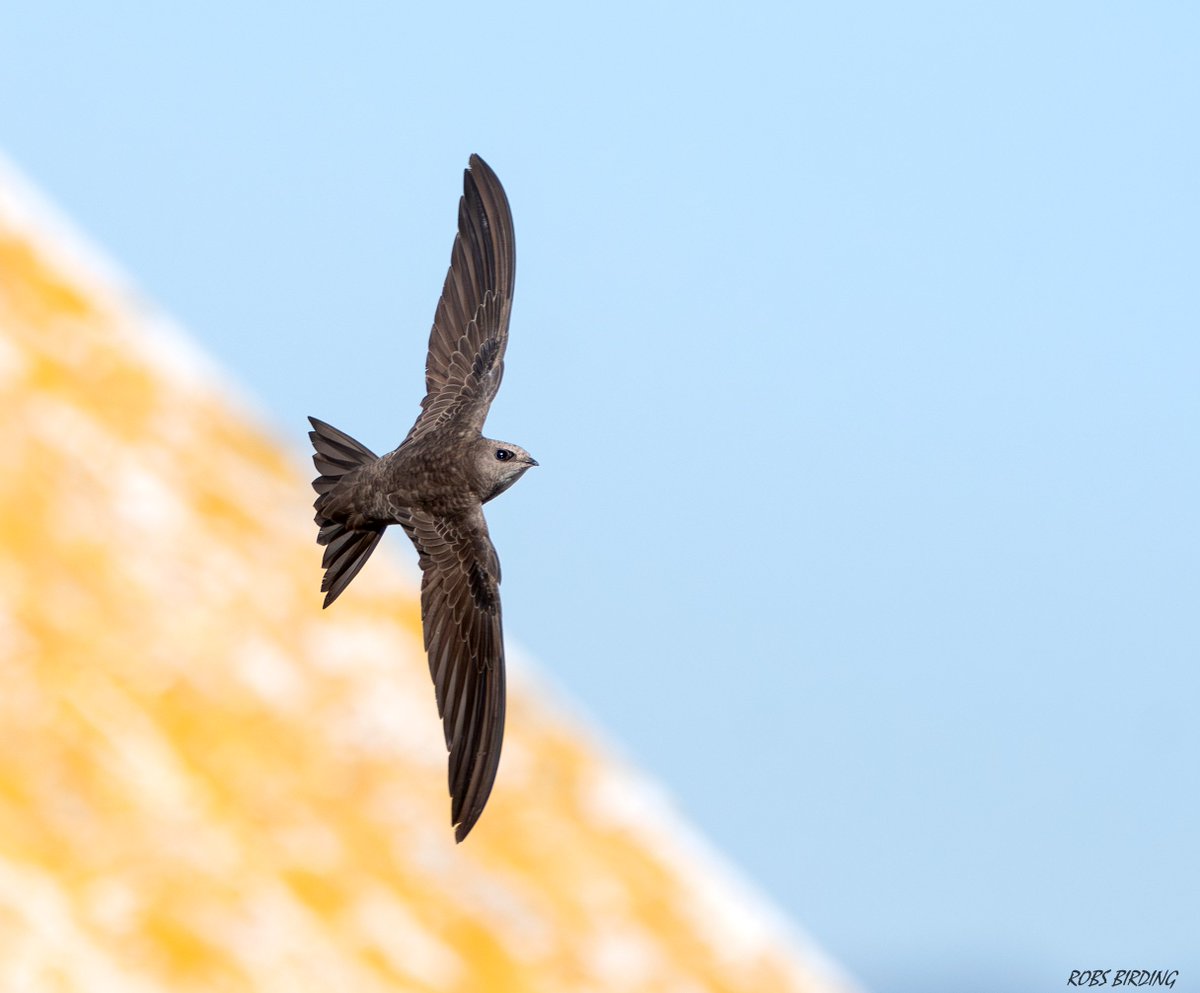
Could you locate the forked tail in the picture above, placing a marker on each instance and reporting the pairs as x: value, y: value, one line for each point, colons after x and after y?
x: 346, y: 549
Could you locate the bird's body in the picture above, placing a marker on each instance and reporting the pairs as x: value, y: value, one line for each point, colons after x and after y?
x: 443, y: 481
x: 434, y: 486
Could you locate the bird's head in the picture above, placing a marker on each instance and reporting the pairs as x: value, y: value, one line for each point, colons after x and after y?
x: 498, y: 465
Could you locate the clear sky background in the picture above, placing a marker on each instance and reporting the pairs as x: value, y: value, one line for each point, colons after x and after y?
x: 860, y: 347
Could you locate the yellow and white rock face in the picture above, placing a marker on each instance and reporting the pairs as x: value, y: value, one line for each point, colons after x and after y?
x: 209, y: 784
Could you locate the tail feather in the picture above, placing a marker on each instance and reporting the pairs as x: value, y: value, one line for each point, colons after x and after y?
x: 350, y: 549
x: 346, y: 549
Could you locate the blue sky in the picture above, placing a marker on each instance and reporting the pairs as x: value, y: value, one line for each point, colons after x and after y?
x: 859, y: 347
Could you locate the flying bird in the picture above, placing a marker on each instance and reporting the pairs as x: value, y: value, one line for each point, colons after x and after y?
x: 435, y: 485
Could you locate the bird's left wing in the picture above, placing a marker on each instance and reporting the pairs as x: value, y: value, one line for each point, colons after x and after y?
x: 465, y: 361
x: 460, y: 611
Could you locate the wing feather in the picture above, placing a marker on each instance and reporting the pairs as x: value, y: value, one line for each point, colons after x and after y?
x: 464, y: 639
x: 465, y: 362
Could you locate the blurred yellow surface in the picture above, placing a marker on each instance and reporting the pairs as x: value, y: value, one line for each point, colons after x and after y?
x: 208, y: 783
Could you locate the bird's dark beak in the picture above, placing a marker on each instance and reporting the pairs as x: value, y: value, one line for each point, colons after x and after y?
x: 532, y: 460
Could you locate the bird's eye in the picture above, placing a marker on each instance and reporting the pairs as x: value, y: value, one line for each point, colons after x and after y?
x: 503, y: 454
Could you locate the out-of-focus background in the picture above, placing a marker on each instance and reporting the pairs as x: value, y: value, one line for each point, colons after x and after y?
x: 858, y: 345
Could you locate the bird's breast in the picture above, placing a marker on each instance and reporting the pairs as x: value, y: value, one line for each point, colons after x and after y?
x: 433, y: 482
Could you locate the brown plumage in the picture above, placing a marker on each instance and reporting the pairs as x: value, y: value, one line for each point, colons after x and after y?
x: 434, y: 486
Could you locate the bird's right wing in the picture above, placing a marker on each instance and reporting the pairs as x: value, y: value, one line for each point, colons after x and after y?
x: 470, y: 328
x: 460, y: 612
